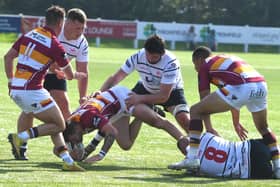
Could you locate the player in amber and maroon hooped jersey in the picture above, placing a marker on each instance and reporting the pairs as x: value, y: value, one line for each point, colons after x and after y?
x: 106, y: 109
x: 36, y: 51
x: 239, y: 84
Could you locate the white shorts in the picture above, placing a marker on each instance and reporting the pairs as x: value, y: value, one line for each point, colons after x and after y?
x: 253, y: 95
x: 34, y: 101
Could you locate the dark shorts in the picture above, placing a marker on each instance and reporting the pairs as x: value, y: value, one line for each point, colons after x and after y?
x: 176, y: 97
x: 53, y: 83
x: 261, y: 167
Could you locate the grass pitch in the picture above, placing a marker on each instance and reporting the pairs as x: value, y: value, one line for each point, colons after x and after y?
x: 146, y: 163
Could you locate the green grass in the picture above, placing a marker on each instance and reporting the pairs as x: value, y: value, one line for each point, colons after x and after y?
x: 145, y: 164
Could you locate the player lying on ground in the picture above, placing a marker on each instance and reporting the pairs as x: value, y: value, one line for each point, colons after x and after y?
x: 97, y: 112
x: 223, y: 158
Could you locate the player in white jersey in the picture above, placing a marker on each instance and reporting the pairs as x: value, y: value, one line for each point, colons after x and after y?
x: 160, y: 80
x: 223, y: 158
x: 76, y: 46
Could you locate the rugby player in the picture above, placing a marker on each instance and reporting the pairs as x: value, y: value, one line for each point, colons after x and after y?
x: 239, y: 84
x: 35, y: 52
x: 109, y: 107
x: 222, y: 158
x: 160, y: 81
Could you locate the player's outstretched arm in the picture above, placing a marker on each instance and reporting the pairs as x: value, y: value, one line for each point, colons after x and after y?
x: 111, y: 133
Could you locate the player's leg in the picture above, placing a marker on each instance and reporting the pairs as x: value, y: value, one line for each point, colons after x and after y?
x: 127, y: 132
x: 53, y: 125
x: 147, y: 115
x: 62, y: 100
x: 25, y: 121
x: 260, y: 158
x: 260, y: 120
x: 57, y: 88
x: 178, y: 107
x: 257, y: 106
x: 210, y: 104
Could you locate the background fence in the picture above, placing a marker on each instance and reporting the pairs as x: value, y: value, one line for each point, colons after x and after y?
x: 173, y: 32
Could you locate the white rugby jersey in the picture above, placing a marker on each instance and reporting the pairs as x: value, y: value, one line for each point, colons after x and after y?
x: 75, y: 48
x: 116, y: 94
x: 166, y: 71
x: 222, y: 158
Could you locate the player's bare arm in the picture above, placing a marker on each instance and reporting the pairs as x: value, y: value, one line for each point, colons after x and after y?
x: 83, y: 83
x: 108, y: 142
x: 161, y: 97
x: 8, y: 59
x: 113, y: 80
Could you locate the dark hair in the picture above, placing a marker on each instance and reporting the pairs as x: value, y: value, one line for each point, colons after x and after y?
x: 201, y: 52
x: 155, y: 44
x: 71, y: 130
x: 76, y: 14
x: 54, y: 15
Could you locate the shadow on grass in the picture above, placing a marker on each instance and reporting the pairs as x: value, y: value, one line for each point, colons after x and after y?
x: 12, y: 165
x: 177, y: 178
x: 115, y: 168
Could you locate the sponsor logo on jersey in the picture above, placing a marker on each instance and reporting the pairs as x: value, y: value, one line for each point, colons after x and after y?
x: 95, y: 121
x: 127, y: 63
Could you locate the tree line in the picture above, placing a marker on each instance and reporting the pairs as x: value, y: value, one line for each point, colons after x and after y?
x: 220, y: 12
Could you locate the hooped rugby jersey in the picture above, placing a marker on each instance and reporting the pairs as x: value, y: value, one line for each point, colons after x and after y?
x: 75, y: 48
x: 222, y: 158
x: 166, y: 71
x: 37, y: 50
x: 97, y: 111
x: 224, y: 70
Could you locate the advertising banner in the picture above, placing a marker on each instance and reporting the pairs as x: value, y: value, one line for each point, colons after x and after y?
x: 111, y: 29
x: 9, y: 24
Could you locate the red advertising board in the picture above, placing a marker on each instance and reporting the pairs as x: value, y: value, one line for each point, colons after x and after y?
x: 95, y: 28
x: 111, y: 29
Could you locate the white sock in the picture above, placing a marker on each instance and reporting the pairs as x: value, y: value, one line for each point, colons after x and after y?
x: 66, y: 157
x: 24, y: 135
x: 276, y: 163
x: 192, y: 153
x: 98, y: 137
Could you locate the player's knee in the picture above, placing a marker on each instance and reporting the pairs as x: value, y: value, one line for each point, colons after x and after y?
x: 60, y: 127
x: 127, y: 146
x: 181, y: 108
x: 194, y: 110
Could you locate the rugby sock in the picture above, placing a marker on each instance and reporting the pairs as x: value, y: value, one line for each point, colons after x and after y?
x: 30, y: 133
x: 64, y: 154
x: 93, y: 144
x: 271, y: 141
x: 195, y: 129
x: 98, y: 137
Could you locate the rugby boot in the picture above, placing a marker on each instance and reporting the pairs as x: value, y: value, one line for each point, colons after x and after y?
x: 72, y: 167
x: 191, y: 164
x: 16, y: 143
